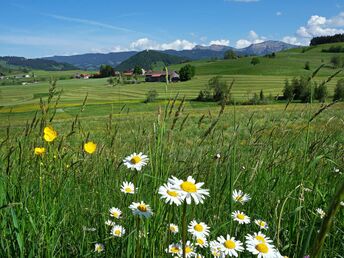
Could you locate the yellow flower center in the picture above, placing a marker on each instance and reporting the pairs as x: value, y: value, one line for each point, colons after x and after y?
x: 115, y: 214
x: 172, y: 193
x: 241, y: 216
x: 198, y: 227
x: 188, y: 187
x: 238, y: 198
x: 173, y: 228
x: 188, y: 249
x: 200, y: 241
x: 262, y: 224
x: 260, y: 238
x: 174, y: 249
x: 117, y: 232
x: 229, y: 244
x: 128, y: 190
x: 142, y: 208
x: 135, y: 159
x: 263, y: 248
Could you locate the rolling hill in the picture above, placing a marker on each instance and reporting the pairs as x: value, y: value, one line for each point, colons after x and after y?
x: 36, y: 63
x: 149, y: 59
x: 288, y: 63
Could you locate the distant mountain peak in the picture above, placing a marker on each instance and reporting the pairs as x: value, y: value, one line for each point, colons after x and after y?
x: 213, y: 47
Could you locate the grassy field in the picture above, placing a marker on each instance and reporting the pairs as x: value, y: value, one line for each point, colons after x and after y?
x: 288, y: 158
x: 56, y: 205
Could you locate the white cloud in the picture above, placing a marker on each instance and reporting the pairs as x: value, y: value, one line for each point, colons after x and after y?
x: 317, y: 26
x: 145, y: 43
x: 321, y: 26
x: 222, y: 42
x: 253, y: 38
x: 279, y: 13
x: 291, y: 40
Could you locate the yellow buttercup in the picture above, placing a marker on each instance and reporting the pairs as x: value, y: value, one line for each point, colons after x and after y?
x: 49, y: 134
x: 90, y: 147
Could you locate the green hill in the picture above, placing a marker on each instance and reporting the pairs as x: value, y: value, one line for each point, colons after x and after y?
x: 149, y: 59
x: 15, y: 62
x: 289, y: 63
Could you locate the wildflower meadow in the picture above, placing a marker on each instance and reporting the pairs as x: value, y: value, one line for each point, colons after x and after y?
x: 227, y: 182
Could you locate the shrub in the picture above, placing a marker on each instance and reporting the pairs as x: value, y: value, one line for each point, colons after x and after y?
x: 339, y: 91
x: 151, y: 96
x: 307, y: 66
x: 320, y: 92
x: 255, y: 61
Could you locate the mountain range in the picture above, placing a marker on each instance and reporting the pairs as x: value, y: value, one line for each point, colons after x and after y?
x: 92, y: 61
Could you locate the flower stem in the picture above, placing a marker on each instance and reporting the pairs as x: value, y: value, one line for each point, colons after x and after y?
x: 184, y: 229
x: 138, y: 248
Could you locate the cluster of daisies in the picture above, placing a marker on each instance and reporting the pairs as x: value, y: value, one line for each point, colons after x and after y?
x: 257, y: 244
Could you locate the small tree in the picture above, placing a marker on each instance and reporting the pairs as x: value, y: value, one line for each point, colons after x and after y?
x: 151, y: 96
x: 220, y: 88
x: 255, y: 61
x: 339, y: 91
x: 137, y: 70
x: 106, y: 71
x: 335, y: 61
x: 307, y: 66
x: 320, y: 92
x: 230, y: 54
x: 261, y: 95
x: 288, y: 91
x: 187, y: 72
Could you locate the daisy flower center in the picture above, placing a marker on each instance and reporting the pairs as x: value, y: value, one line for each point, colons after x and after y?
x: 200, y: 241
x: 260, y: 238
x: 241, y: 216
x: 262, y: 224
x: 174, y: 249
x: 172, y: 193
x: 229, y: 244
x: 188, y: 249
x: 238, y: 198
x: 135, y: 159
x: 188, y: 187
x: 117, y: 232
x: 128, y: 190
x: 198, y: 227
x: 173, y: 229
x: 142, y: 208
x: 263, y: 248
x: 115, y: 214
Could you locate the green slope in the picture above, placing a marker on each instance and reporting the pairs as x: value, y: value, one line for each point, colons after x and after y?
x: 289, y: 63
x: 149, y: 59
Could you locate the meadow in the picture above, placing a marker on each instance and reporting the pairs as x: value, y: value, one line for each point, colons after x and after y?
x: 288, y: 159
x: 272, y: 174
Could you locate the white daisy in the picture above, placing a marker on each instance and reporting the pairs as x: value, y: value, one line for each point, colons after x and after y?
x: 342, y: 203
x: 136, y: 161
x: 141, y: 209
x: 240, y: 196
x: 262, y: 224
x: 198, y: 229
x: 117, y: 231
x: 109, y: 223
x: 260, y: 237
x: 201, y: 241
x: 173, y: 228
x: 128, y: 188
x: 189, y: 189
x: 171, y: 195
x: 199, y: 256
x: 98, y: 248
x: 262, y: 250
x: 174, y: 249
x: 321, y: 212
x: 230, y: 246
x: 189, y: 250
x: 115, y: 212
x: 216, y: 250
x: 241, y: 217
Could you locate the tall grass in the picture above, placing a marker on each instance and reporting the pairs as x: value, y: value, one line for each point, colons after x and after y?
x: 56, y: 205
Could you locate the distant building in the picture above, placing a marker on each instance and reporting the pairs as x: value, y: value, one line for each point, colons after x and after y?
x: 128, y: 73
x: 82, y: 76
x: 155, y: 76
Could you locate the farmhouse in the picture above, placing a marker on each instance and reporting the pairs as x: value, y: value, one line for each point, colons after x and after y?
x: 154, y: 76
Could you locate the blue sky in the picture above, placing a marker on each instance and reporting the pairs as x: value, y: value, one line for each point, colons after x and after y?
x: 36, y: 28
